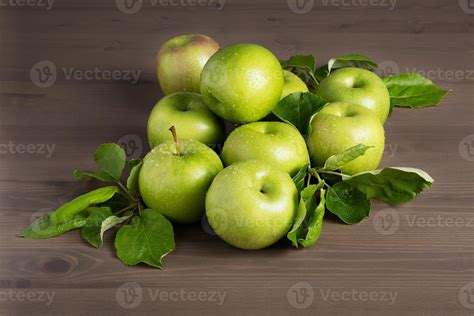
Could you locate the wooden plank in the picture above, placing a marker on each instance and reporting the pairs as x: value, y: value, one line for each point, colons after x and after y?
x: 423, y: 260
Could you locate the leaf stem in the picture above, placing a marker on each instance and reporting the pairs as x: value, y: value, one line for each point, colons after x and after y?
x: 125, y: 209
x: 316, y: 174
x: 172, y: 129
x: 309, y: 179
x: 125, y: 191
x: 333, y: 172
x: 140, y: 208
x: 313, y: 172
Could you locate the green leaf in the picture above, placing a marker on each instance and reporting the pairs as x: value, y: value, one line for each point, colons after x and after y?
x: 303, y: 66
x: 118, y: 202
x: 148, y: 238
x: 69, y: 216
x: 307, y: 62
x: 315, y: 223
x: 100, y: 220
x: 413, y: 91
x: 391, y: 185
x: 335, y: 162
x: 307, y: 201
x: 359, y: 61
x: 132, y: 181
x: 80, y: 203
x: 110, y: 160
x: 308, y: 221
x: 299, y: 178
x: 298, y: 109
x: 348, y: 203
x: 321, y: 73
x: 48, y: 225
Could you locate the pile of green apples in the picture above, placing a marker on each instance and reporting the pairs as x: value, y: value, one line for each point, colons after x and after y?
x: 261, y: 147
x: 253, y: 201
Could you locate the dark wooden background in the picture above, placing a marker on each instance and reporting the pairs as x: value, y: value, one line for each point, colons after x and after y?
x: 428, y: 264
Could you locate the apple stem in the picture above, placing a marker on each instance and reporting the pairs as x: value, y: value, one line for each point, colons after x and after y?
x: 176, y: 141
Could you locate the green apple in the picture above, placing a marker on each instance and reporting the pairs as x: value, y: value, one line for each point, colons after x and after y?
x: 339, y: 126
x: 191, y: 117
x: 292, y: 84
x: 357, y: 85
x: 242, y: 83
x: 175, y: 181
x: 251, y: 205
x: 276, y: 143
x: 180, y: 60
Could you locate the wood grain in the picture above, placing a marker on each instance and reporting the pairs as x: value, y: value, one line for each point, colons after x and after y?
x: 424, y: 263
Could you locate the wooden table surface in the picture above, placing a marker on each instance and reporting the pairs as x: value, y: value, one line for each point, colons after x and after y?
x: 413, y: 259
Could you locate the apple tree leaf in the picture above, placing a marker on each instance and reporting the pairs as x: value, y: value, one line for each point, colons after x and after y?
x: 393, y: 185
x: 147, y: 239
x: 335, y: 162
x: 298, y: 108
x: 299, y: 178
x: 99, y: 221
x: 306, y: 62
x: 118, y: 202
x: 303, y: 66
x: 412, y: 90
x: 110, y: 160
x: 91, y: 228
x: 315, y: 223
x: 347, y: 202
x: 309, y: 217
x: 48, y: 225
x: 359, y: 61
x: 69, y: 216
x: 132, y: 181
